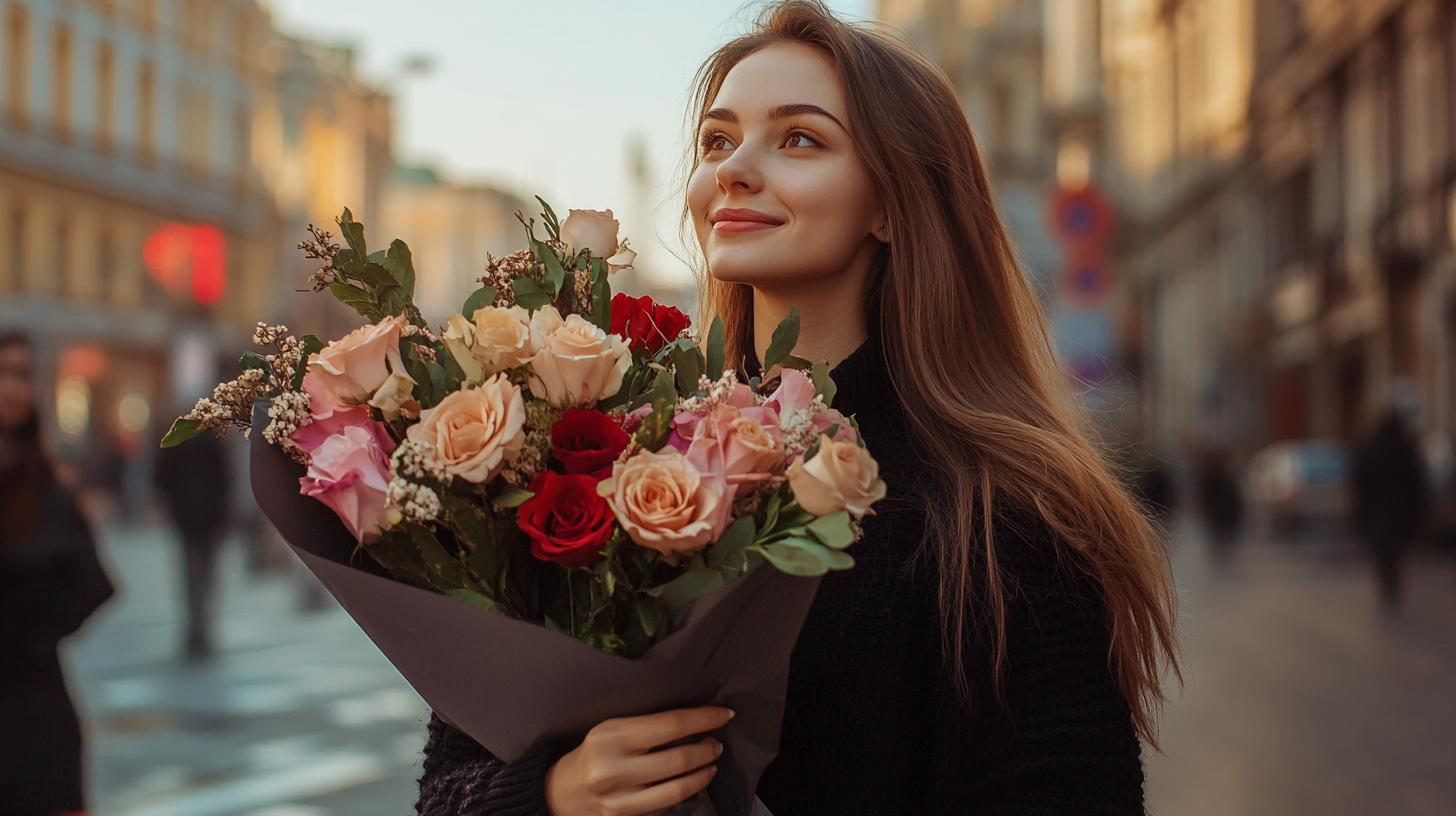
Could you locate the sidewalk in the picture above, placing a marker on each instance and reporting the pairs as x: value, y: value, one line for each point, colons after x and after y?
x: 297, y: 715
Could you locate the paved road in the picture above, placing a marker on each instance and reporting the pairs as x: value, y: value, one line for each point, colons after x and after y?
x: 1301, y: 699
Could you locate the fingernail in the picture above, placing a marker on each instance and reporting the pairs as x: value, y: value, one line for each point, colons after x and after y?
x: 718, y: 748
x: 732, y: 714
x: 712, y: 772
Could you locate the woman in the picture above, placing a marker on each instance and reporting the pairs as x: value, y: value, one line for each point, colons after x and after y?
x: 999, y: 645
x: 50, y: 583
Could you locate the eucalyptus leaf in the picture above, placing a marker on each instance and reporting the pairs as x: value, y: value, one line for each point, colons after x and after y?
x: 798, y: 556
x: 529, y: 295
x: 730, y: 546
x: 182, y: 430
x: 479, y: 299
x: 785, y: 337
x: 833, y: 530
x: 691, y: 585
x: 511, y: 497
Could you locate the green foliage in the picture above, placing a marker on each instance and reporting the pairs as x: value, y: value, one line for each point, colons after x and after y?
x: 652, y: 434
x: 553, y: 225
x: 785, y: 337
x: 400, y: 265
x: 529, y: 294
x: 311, y: 346
x: 479, y: 299
x: 601, y: 295
x: 729, y: 549
x: 555, y: 273
x: 253, y: 360
x: 833, y: 530
x: 715, y: 349
x: 687, y: 364
x: 823, y: 383
x: 182, y: 430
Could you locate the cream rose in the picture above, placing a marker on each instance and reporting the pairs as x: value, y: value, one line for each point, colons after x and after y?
x: 624, y: 259
x: 356, y: 365
x: 577, y: 361
x: 665, y: 504
x: 459, y: 339
x: 494, y: 340
x: 474, y: 432
x: 841, y: 476
x: 594, y: 230
x: 395, y: 395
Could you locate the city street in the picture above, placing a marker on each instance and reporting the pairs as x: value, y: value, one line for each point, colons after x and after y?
x: 1302, y: 698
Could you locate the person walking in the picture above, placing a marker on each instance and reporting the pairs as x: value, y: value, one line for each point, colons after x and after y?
x: 1391, y: 492
x: 51, y: 582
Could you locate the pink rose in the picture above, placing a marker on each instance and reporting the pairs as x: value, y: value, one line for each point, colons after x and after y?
x: 795, y: 397
x: 358, y: 364
x: 349, y: 471
x: 744, y: 444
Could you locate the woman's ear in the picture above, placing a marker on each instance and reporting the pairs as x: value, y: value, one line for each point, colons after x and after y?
x: 881, y: 230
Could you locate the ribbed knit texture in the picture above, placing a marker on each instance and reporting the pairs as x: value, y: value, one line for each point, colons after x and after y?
x: 873, y: 723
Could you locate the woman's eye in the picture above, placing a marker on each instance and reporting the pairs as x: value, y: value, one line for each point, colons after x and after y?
x: 799, y: 134
x: 710, y: 141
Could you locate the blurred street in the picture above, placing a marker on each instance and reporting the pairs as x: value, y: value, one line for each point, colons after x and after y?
x: 1302, y: 697
x: 297, y: 715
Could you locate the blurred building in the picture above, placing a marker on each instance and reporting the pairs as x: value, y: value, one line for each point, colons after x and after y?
x: 129, y: 204
x: 450, y: 228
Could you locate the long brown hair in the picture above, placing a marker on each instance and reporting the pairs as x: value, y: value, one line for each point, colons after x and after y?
x: 988, y: 400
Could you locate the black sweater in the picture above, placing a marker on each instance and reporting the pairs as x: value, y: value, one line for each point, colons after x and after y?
x: 873, y: 723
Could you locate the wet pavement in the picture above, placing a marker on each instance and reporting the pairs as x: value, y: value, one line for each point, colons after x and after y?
x: 1302, y: 697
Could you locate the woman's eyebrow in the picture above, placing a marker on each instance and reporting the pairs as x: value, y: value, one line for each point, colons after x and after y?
x: 779, y: 112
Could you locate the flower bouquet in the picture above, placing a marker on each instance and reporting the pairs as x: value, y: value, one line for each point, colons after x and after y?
x: 560, y: 506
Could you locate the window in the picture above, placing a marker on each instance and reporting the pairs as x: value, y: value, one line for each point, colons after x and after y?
x: 146, y: 111
x: 64, y: 281
x: 17, y: 61
x: 105, y: 94
x: 105, y: 262
x: 61, y: 79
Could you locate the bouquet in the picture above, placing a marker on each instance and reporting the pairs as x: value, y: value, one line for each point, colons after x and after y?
x: 558, y: 506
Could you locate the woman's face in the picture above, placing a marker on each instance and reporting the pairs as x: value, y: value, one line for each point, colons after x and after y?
x: 17, y: 386
x: 774, y: 145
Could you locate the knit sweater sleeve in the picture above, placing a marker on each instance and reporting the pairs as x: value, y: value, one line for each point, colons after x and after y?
x: 460, y: 777
x: 1060, y: 740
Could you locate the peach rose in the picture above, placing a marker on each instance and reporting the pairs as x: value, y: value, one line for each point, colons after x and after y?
x: 493, y: 340
x: 594, y: 230
x: 841, y: 476
x: 474, y: 432
x: 665, y: 503
x: 356, y: 365
x: 459, y: 339
x: 577, y: 362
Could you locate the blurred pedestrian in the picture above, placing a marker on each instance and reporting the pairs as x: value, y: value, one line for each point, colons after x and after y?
x: 51, y: 581
x: 1391, y: 490
x: 1220, y: 501
x: 195, y: 481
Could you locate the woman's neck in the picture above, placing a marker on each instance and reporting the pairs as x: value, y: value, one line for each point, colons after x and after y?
x: 832, y: 320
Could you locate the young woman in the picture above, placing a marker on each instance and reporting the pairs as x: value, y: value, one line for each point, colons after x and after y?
x: 999, y: 645
x: 50, y: 583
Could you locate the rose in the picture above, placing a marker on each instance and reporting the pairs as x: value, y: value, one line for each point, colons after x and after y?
x: 567, y: 521
x: 348, y: 470
x: 794, y: 402
x: 624, y: 259
x: 493, y: 340
x: 594, y: 230
x: 685, y: 424
x: 577, y: 361
x: 475, y: 431
x: 745, y: 443
x: 665, y: 503
x: 396, y: 396
x: 587, y: 442
x: 356, y: 365
x: 840, y: 476
x: 645, y: 324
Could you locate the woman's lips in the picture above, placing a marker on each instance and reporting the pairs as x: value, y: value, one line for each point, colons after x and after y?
x: 726, y: 227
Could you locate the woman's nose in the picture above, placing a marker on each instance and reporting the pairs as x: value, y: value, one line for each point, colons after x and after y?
x: 740, y: 171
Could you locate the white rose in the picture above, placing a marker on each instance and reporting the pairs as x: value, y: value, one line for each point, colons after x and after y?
x: 577, y: 361
x: 594, y: 230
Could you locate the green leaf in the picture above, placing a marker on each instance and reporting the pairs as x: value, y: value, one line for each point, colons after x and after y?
x: 795, y: 361
x: 601, y: 296
x: 182, y: 430
x: 374, y: 275
x: 311, y: 346
x: 555, y: 274
x: 833, y: 530
x: 443, y: 569
x: 838, y: 560
x: 529, y: 295
x: 553, y: 224
x: 693, y: 584
x: 470, y: 596
x: 798, y: 556
x: 730, y: 546
x: 401, y: 266
x: 353, y: 233
x: 649, y: 614
x: 687, y: 364
x: 439, y: 379
x: 479, y: 299
x: 823, y: 383
x: 512, y: 497
x: 355, y: 298
x: 653, y: 431
x: 424, y: 389
x: 771, y: 510
x: 715, y: 349
x: 785, y: 337
x: 377, y: 256
x: 251, y: 360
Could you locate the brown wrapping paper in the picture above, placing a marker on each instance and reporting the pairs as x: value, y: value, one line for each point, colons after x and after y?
x: 509, y: 684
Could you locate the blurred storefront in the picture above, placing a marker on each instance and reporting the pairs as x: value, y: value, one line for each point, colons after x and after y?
x: 158, y: 165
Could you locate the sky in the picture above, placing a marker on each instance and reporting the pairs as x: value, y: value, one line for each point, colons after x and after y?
x: 544, y: 99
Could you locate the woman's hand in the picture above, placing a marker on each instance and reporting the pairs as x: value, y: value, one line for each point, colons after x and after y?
x: 618, y: 771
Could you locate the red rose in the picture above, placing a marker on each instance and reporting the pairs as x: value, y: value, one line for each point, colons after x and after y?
x: 587, y: 441
x: 645, y: 324
x: 567, y: 521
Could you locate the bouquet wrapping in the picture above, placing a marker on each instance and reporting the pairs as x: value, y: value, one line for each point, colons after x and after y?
x: 559, y: 507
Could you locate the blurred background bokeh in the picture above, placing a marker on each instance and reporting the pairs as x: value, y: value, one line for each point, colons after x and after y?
x: 1241, y: 215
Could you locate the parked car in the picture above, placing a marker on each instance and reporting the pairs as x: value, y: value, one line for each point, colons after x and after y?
x: 1300, y: 483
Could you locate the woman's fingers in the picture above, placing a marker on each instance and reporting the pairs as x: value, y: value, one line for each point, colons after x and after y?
x: 641, y: 734
x: 657, y: 766
x: 659, y: 797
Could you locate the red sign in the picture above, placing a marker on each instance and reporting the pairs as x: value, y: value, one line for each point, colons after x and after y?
x: 1087, y: 277
x: 190, y: 256
x: 1082, y: 217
